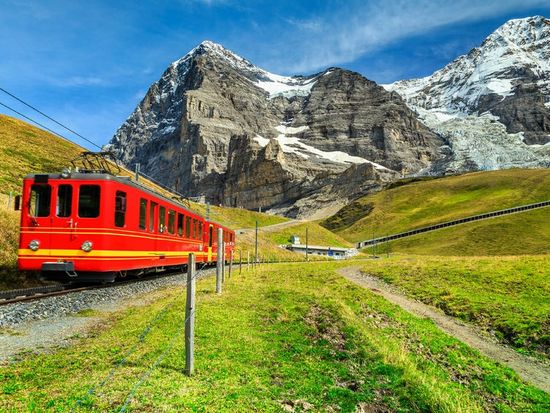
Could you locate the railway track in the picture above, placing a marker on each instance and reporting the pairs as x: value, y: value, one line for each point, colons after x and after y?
x: 38, y: 293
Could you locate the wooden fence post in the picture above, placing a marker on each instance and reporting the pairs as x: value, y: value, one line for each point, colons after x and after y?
x: 190, y: 317
x: 219, y: 262
x: 230, y: 264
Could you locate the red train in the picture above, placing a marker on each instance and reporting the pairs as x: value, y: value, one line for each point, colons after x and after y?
x: 97, y: 227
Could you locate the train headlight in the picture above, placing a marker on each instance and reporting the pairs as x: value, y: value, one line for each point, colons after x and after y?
x: 34, y: 245
x: 86, y: 246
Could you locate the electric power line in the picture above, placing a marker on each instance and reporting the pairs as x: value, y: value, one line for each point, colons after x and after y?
x: 49, y: 117
x: 35, y: 122
x: 72, y: 131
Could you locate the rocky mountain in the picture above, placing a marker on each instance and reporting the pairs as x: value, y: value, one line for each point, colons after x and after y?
x: 492, y: 105
x: 216, y: 126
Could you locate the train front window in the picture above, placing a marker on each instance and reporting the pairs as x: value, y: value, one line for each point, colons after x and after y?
x: 39, y: 202
x: 88, y: 201
x: 64, y: 200
x: 142, y: 213
x: 171, y: 221
x: 120, y: 208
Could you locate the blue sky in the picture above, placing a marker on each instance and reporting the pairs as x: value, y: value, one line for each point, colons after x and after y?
x: 88, y: 64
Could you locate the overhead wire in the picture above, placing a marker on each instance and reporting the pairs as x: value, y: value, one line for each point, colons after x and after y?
x: 49, y: 117
x: 35, y: 122
x: 165, y: 187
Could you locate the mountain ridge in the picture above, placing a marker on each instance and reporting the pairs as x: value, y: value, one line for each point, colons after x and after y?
x: 217, y: 126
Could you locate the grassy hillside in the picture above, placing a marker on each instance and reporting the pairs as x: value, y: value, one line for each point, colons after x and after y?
x: 317, y: 235
x: 238, y: 218
x: 516, y: 234
x: 418, y: 204
x: 269, y: 240
x: 506, y: 295
x: 25, y: 149
x: 294, y: 337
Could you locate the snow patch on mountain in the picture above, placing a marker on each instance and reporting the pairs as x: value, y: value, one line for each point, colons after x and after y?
x: 291, y: 144
x: 288, y: 87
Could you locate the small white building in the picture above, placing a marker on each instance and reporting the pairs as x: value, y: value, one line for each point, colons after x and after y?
x: 331, y: 252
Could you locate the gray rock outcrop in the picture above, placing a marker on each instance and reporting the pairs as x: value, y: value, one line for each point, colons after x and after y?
x: 218, y: 127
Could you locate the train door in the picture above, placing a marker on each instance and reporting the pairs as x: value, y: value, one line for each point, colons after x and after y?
x: 62, y: 217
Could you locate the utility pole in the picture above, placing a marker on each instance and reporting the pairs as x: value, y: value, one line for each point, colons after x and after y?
x: 230, y: 264
x: 190, y: 317
x: 219, y: 262
x: 256, y: 245
x: 373, y: 244
x: 307, y: 243
x: 137, y: 171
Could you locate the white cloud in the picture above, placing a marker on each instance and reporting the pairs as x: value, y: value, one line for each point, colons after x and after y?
x: 360, y: 27
x: 75, y: 81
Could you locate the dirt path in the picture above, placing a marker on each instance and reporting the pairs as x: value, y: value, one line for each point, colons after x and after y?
x: 529, y: 369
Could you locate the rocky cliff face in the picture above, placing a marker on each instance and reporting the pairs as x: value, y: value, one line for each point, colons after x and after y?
x: 506, y: 82
x: 216, y: 126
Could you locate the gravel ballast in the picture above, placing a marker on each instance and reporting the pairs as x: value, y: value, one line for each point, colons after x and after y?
x: 51, y: 321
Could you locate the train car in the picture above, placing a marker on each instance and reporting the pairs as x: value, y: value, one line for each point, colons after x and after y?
x: 86, y: 227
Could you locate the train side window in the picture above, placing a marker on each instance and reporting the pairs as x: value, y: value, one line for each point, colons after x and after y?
x: 142, y: 213
x: 162, y: 219
x: 89, y: 201
x: 64, y: 200
x: 120, y: 209
x: 152, y: 210
x: 200, y: 230
x: 39, y: 202
x: 180, y: 225
x: 210, y: 233
x: 187, y: 227
x: 171, y: 221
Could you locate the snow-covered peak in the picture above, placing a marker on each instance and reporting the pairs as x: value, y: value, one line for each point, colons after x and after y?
x: 275, y: 85
x: 517, y: 49
x: 523, y: 31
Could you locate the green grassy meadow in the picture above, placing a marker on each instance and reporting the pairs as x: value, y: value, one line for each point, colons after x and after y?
x: 508, y: 296
x: 238, y: 218
x: 423, y: 203
x: 292, y: 337
x: 525, y: 233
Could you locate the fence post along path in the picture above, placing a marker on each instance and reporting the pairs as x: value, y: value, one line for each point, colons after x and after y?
x: 190, y: 317
x: 219, y: 262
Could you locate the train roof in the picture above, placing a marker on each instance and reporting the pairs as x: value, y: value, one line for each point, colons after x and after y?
x: 126, y: 180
